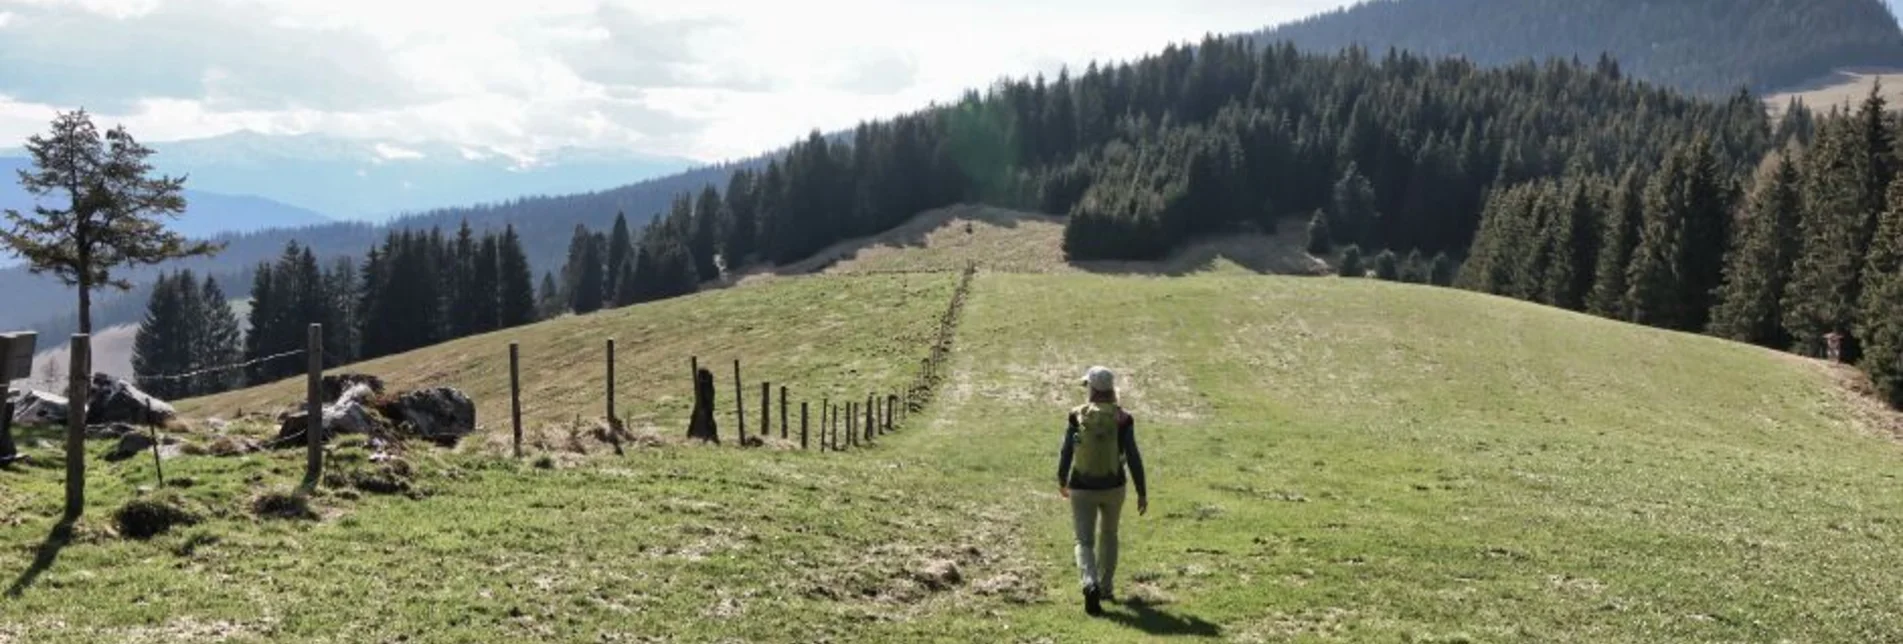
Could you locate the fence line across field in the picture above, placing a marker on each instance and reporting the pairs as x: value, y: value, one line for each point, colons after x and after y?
x: 227, y: 367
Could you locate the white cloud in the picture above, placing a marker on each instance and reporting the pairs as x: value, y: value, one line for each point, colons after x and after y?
x: 709, y: 79
x: 389, y: 152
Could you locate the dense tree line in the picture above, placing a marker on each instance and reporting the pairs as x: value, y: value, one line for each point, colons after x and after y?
x: 189, y: 326
x: 1808, y: 246
x: 1706, y: 46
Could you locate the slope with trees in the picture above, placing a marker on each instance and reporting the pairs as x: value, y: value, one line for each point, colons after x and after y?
x: 1711, y: 47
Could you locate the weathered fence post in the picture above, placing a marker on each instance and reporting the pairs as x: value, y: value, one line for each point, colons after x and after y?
x: 852, y: 422
x: 78, y: 385
x: 515, y: 395
x: 613, y: 423
x: 157, y: 466
x: 739, y: 402
x: 783, y: 428
x: 872, y: 423
x: 314, y: 407
x: 825, y: 415
x: 802, y: 424
x: 766, y: 410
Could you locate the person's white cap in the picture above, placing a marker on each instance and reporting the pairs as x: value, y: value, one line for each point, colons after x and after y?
x: 1100, y: 379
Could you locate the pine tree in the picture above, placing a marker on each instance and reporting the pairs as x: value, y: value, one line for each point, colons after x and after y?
x: 517, y: 290
x: 1353, y: 208
x: 1573, y: 245
x: 1441, y: 271
x: 341, y: 318
x: 1320, y: 240
x: 1386, y: 266
x: 705, y: 240
x: 162, y: 345
x: 219, y: 343
x: 620, y: 248
x: 742, y: 223
x: 549, y: 300
x: 1846, y: 175
x: 262, y: 322
x: 113, y: 214
x: 464, y: 295
x: 628, y: 284
x: 1619, y: 234
x: 1759, y: 263
x: 487, y: 284
x: 1883, y: 332
x: 1676, y: 265
x: 584, y: 273
x: 1414, y: 268
x: 1351, y: 262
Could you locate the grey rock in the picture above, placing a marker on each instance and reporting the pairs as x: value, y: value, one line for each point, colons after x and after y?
x: 113, y: 400
x: 442, y: 414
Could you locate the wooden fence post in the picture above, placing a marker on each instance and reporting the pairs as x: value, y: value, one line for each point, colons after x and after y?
x: 852, y: 423
x: 783, y: 428
x: 872, y: 423
x: 766, y: 410
x: 825, y: 416
x: 78, y: 389
x: 515, y: 396
x: 613, y: 422
x: 314, y: 402
x: 158, y: 467
x: 802, y: 424
x: 739, y: 402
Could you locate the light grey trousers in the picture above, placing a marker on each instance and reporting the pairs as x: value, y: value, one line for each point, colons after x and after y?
x: 1094, y: 515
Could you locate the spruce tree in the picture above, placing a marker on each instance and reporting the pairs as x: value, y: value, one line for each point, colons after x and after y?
x: 1883, y: 335
x: 262, y: 322
x: 620, y: 249
x: 1320, y: 240
x: 162, y: 345
x: 1441, y: 271
x: 342, y: 320
x: 1353, y: 208
x: 708, y: 220
x: 1758, y: 265
x: 463, y: 294
x: 1619, y: 234
x: 583, y: 273
x: 1846, y: 175
x: 1350, y: 265
x: 487, y: 283
x: 517, y: 290
x: 1386, y: 266
x: 742, y: 223
x: 1414, y: 268
x: 219, y: 342
x: 1676, y: 265
x: 549, y: 300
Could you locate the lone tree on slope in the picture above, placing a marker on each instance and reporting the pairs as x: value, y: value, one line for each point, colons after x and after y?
x: 99, y: 209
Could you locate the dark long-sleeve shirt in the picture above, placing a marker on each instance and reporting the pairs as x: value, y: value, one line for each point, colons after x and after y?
x: 1126, y: 442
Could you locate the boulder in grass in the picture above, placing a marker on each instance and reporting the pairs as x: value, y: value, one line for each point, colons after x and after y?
x: 37, y: 408
x: 441, y: 415
x: 335, y: 385
x: 345, y: 417
x: 113, y: 400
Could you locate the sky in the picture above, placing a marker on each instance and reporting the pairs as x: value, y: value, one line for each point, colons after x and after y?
x: 706, y: 80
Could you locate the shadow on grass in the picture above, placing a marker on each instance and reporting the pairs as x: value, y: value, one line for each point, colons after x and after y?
x: 48, y: 551
x: 1148, y: 619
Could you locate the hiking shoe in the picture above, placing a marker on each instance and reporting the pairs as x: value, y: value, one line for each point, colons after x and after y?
x: 1092, y: 603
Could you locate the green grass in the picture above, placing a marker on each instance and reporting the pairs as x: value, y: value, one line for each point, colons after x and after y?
x: 1330, y: 460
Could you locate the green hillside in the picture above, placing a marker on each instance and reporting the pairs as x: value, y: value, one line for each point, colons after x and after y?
x: 1331, y: 460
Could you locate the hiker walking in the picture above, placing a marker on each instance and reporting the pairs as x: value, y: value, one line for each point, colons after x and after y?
x: 1834, y: 345
x: 1099, y: 443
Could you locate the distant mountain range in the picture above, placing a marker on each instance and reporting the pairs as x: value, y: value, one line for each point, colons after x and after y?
x: 376, y: 180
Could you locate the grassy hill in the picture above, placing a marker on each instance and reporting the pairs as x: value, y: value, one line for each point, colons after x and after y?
x: 1842, y: 89
x: 1331, y: 460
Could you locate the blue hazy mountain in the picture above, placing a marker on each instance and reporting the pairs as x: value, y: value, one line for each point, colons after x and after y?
x: 375, y: 180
